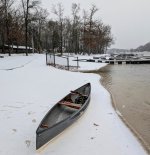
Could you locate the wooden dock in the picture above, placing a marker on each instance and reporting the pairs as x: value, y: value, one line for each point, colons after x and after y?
x: 122, y: 61
x: 129, y: 61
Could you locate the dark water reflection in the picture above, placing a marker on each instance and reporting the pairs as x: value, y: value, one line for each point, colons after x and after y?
x: 130, y: 89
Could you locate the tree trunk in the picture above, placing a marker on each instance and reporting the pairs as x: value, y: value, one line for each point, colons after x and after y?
x: 61, y: 39
x: 26, y: 26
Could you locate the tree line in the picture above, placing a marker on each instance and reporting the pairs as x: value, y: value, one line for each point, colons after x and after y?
x: 28, y: 24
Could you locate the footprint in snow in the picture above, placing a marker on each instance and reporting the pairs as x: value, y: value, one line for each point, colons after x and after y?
x: 92, y: 137
x: 28, y: 142
x: 30, y: 112
x: 14, y: 130
x: 34, y: 120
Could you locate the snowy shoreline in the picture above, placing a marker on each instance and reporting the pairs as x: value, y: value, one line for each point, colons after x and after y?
x: 27, y: 93
x: 130, y: 126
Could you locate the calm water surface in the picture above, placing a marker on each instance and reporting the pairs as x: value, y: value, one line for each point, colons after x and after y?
x: 130, y: 89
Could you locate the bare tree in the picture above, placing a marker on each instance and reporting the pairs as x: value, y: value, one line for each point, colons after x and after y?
x: 67, y: 35
x: 83, y: 30
x: 29, y: 26
x: 6, y: 9
x: 40, y: 19
x: 105, y: 38
x: 59, y: 12
x: 27, y: 5
x: 17, y: 35
x: 93, y: 10
x: 75, y: 27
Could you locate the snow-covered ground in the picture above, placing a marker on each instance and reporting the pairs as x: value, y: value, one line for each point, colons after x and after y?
x: 29, y: 91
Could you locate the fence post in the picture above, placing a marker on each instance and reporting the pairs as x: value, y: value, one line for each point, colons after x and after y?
x: 46, y: 58
x: 77, y: 63
x: 54, y: 61
x: 68, y: 63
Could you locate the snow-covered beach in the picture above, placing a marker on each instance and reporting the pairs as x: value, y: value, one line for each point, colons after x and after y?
x: 29, y: 89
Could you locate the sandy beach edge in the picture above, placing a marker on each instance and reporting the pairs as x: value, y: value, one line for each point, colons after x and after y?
x: 129, y: 126
x: 135, y: 133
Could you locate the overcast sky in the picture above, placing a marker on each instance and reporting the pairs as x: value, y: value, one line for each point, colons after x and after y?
x: 129, y: 19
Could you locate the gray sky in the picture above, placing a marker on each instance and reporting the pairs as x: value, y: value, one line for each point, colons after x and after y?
x: 129, y: 19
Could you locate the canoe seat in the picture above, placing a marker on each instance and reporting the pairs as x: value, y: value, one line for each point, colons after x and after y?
x: 70, y: 104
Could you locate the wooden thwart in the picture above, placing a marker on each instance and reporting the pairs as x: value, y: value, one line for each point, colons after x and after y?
x: 70, y: 104
x: 77, y: 93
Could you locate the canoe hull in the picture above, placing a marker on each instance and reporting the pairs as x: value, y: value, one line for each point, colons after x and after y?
x: 44, y: 136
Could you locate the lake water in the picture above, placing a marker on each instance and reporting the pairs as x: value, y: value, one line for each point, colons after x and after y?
x: 130, y: 89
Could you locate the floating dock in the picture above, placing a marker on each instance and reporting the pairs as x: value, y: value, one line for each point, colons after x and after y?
x: 123, y: 61
x: 130, y: 61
